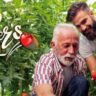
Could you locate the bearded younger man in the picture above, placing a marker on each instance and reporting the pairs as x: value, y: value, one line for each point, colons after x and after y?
x: 61, y: 71
x: 83, y: 18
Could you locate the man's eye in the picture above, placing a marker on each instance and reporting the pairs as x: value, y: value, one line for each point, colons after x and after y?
x: 75, y: 46
x: 84, y: 21
x: 65, y: 45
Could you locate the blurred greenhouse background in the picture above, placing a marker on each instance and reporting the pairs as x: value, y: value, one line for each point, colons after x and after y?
x: 36, y: 17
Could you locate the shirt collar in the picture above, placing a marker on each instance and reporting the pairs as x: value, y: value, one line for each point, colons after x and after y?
x: 59, y: 67
x: 57, y: 63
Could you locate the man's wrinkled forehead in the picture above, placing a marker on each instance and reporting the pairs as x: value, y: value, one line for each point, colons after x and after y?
x: 68, y: 32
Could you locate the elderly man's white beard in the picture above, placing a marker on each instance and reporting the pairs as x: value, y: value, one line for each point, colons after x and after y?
x: 66, y: 60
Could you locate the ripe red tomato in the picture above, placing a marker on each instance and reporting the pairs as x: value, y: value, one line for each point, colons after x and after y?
x: 24, y: 94
x: 93, y: 75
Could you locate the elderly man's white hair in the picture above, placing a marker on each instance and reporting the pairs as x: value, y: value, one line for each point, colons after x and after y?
x: 59, y: 26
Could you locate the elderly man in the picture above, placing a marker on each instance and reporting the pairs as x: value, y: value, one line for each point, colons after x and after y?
x: 61, y: 71
x: 81, y: 16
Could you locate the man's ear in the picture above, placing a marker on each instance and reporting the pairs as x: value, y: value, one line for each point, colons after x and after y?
x: 90, y: 12
x: 52, y: 44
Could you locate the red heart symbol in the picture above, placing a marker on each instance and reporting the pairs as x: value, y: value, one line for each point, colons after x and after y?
x: 26, y: 39
x: 93, y: 75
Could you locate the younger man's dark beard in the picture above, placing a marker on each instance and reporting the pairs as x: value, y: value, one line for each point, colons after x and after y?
x: 94, y: 30
x: 91, y: 35
x: 94, y: 26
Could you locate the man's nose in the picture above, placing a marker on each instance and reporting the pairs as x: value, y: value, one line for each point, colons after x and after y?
x: 71, y: 50
x: 83, y: 27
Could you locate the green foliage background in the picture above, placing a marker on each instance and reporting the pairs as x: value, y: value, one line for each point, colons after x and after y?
x: 36, y: 17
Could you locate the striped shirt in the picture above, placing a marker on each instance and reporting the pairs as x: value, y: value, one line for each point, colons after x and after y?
x: 49, y: 71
